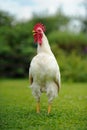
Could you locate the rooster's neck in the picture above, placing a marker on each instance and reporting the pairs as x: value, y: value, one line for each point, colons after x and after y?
x: 44, y: 47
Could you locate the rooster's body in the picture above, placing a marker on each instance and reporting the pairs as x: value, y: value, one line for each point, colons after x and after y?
x: 44, y: 72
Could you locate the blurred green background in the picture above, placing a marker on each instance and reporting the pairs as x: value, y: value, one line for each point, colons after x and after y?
x: 68, y: 43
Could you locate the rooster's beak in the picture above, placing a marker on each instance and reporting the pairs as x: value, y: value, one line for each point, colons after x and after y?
x: 33, y: 32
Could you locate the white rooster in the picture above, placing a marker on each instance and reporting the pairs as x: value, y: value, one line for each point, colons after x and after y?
x: 44, y: 73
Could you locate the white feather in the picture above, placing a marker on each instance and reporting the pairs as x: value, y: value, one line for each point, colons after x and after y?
x: 44, y: 72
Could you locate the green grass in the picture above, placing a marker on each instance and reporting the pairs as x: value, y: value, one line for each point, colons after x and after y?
x: 17, y: 108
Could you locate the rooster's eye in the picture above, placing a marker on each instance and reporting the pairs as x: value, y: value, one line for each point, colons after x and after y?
x: 39, y: 30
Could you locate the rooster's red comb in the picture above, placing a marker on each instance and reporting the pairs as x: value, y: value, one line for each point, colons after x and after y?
x: 40, y: 25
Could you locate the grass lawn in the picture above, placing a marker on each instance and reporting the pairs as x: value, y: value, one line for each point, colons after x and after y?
x: 18, y: 108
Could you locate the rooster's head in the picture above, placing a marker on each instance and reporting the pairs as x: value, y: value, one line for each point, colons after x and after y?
x: 38, y: 31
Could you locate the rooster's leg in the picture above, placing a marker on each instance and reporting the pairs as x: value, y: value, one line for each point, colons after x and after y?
x: 49, y: 108
x: 38, y: 107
